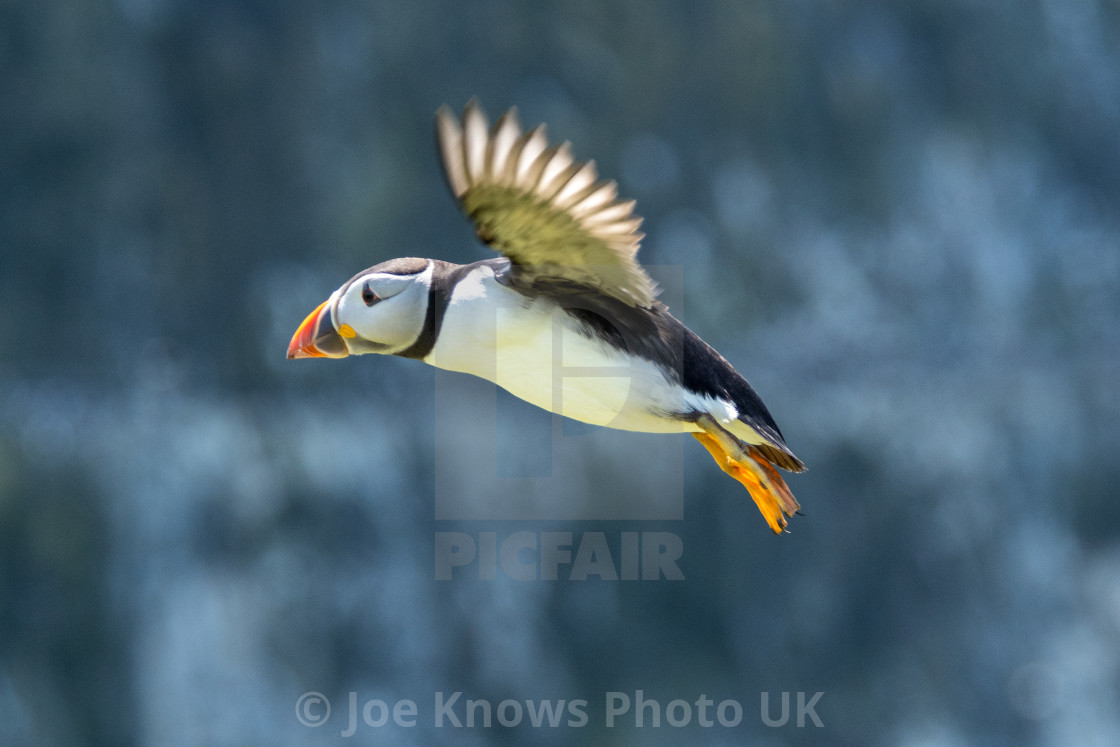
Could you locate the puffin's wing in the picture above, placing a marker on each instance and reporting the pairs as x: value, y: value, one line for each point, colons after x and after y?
x: 538, y: 206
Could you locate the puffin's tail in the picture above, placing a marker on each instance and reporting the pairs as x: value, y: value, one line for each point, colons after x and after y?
x: 754, y: 471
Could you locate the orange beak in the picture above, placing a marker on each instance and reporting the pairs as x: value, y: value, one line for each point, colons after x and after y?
x: 317, y: 337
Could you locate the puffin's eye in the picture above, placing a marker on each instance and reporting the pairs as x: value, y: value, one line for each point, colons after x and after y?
x: 368, y: 295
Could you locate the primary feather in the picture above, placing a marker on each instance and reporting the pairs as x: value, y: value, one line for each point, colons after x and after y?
x: 540, y: 207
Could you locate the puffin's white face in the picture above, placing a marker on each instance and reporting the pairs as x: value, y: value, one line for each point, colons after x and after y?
x: 380, y: 310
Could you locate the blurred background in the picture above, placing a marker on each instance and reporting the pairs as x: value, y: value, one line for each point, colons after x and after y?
x: 899, y: 221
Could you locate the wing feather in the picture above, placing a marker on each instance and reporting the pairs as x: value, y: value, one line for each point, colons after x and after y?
x: 577, y: 186
x: 536, y: 142
x: 506, y: 133
x: 601, y: 195
x: 613, y: 212
x: 539, y: 206
x: 556, y: 172
x: 476, y: 140
x: 451, y: 148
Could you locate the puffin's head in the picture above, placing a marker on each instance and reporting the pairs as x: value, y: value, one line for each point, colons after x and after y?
x: 379, y: 310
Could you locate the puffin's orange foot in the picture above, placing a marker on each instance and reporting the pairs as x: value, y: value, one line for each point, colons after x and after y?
x: 758, y: 476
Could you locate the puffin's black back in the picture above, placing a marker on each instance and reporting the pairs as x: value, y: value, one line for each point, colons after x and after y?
x: 656, y: 335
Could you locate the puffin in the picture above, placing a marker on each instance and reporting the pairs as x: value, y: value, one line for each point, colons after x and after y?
x: 565, y: 318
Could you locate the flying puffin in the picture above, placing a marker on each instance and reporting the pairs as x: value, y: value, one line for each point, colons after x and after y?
x: 567, y: 296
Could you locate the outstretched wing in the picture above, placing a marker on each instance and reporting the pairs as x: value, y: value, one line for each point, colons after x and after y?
x: 540, y: 207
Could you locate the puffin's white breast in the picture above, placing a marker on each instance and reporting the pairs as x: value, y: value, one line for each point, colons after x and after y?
x: 530, y: 348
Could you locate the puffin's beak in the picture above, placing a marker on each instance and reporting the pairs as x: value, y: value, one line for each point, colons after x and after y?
x: 317, y: 337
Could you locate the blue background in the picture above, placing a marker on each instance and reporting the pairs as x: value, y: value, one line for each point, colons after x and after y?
x: 897, y: 220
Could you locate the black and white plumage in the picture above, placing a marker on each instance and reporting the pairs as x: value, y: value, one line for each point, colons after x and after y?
x: 566, y: 319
